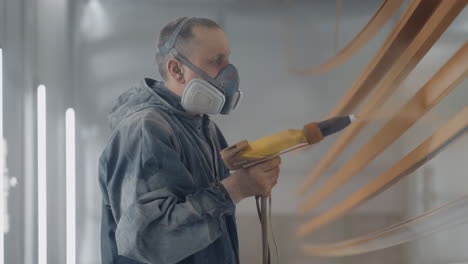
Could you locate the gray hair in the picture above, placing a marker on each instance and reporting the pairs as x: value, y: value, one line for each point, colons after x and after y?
x: 184, y: 39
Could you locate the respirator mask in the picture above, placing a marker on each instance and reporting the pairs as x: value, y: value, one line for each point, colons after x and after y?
x: 208, y: 95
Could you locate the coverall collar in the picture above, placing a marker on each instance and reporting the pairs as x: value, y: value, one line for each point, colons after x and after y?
x: 151, y: 93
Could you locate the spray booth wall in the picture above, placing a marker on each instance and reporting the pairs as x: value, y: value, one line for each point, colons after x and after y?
x: 88, y: 52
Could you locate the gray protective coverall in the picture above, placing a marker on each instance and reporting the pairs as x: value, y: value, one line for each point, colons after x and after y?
x: 159, y: 176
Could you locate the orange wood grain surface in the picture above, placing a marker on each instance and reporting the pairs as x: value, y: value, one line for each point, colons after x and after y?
x: 456, y: 127
x: 375, y: 24
x: 437, y: 23
x: 439, y: 86
x: 446, y: 216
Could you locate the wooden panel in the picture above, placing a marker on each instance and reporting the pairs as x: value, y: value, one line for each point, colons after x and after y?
x: 416, y: 158
x: 408, y: 26
x: 375, y: 24
x: 447, y: 216
x: 432, y: 30
x: 439, y: 86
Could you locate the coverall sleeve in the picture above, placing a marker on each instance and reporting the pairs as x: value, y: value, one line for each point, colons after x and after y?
x: 160, y: 216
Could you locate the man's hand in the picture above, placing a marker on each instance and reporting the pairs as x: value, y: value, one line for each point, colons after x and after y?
x: 256, y: 180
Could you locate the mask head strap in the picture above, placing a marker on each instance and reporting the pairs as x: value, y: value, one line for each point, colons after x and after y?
x: 170, y: 43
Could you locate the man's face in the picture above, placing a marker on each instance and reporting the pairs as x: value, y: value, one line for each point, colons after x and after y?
x: 210, y: 52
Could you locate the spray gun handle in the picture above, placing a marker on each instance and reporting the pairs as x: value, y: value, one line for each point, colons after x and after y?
x: 233, y: 159
x: 231, y: 155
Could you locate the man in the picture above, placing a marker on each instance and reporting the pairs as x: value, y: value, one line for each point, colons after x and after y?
x: 167, y: 196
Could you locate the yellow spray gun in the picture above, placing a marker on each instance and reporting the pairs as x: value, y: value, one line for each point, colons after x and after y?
x: 244, y: 154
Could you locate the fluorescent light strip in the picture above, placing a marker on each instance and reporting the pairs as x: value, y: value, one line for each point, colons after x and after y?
x: 41, y: 175
x: 2, y: 166
x: 70, y: 185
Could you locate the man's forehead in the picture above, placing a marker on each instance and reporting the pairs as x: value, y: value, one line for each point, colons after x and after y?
x: 211, y: 42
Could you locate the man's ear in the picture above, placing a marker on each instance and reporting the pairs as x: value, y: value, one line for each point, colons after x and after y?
x: 174, y: 69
